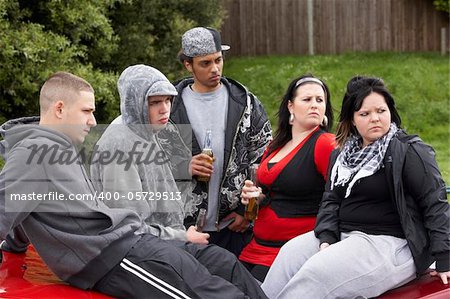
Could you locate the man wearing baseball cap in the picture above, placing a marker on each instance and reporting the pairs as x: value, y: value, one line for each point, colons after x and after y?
x: 240, y: 133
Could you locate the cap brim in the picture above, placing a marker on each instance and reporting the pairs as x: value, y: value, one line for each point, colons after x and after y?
x: 162, y: 88
x: 225, y: 47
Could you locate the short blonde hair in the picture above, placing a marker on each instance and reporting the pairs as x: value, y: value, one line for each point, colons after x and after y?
x: 61, y: 86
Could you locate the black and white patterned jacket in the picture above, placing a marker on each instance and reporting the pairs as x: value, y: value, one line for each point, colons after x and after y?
x: 247, y: 134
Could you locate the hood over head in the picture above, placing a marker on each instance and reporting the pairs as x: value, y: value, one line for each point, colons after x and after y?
x: 135, y: 85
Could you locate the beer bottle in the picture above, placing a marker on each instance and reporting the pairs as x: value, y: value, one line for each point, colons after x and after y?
x: 201, y: 220
x: 251, y: 210
x: 207, y: 149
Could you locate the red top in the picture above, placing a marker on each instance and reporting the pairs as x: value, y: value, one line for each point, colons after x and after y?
x: 270, y: 226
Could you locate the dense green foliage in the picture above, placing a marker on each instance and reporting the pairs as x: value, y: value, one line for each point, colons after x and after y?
x: 442, y: 5
x: 419, y: 83
x: 150, y: 31
x: 95, y: 39
x: 38, y: 38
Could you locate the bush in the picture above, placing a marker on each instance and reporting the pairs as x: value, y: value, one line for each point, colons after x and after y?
x: 442, y: 5
x: 34, y: 44
x: 150, y: 31
x: 95, y: 39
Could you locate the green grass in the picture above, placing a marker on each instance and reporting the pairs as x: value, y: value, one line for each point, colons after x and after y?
x: 419, y: 82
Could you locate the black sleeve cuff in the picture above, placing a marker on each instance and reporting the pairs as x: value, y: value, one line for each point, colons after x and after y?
x: 442, y: 262
x: 240, y: 209
x: 327, y: 237
x: 9, y: 245
x: 265, y: 201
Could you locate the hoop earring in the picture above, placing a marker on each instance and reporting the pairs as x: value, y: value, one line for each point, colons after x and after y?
x: 291, y: 118
x: 325, y: 121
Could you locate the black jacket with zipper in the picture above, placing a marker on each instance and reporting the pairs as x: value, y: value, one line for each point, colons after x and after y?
x: 416, y: 185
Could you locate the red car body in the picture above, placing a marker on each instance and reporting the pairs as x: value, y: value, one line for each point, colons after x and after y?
x: 25, y: 276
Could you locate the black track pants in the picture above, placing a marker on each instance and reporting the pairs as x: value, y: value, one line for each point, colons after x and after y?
x: 172, y: 269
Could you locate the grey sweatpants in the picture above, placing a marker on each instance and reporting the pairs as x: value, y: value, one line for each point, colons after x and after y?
x: 358, y: 266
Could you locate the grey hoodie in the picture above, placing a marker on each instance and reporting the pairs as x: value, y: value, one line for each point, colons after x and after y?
x: 80, y: 240
x: 145, y: 186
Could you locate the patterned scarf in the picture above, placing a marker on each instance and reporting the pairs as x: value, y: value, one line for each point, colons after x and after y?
x: 354, y: 162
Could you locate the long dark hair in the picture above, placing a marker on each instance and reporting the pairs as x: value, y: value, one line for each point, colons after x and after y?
x: 284, y: 132
x: 358, y: 88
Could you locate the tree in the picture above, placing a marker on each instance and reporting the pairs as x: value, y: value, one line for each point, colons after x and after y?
x: 150, y: 31
x: 95, y: 39
x: 442, y: 5
x: 35, y: 42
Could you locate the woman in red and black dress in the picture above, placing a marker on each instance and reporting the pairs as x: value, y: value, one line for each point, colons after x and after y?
x: 292, y: 173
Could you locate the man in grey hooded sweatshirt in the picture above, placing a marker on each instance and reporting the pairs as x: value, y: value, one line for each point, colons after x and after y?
x: 45, y: 190
x: 142, y: 134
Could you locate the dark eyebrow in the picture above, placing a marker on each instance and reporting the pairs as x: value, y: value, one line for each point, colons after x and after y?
x: 150, y: 100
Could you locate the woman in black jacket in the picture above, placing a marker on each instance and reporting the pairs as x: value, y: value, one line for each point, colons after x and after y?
x: 384, y: 215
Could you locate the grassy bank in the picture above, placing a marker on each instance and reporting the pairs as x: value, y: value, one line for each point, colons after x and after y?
x: 419, y: 82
